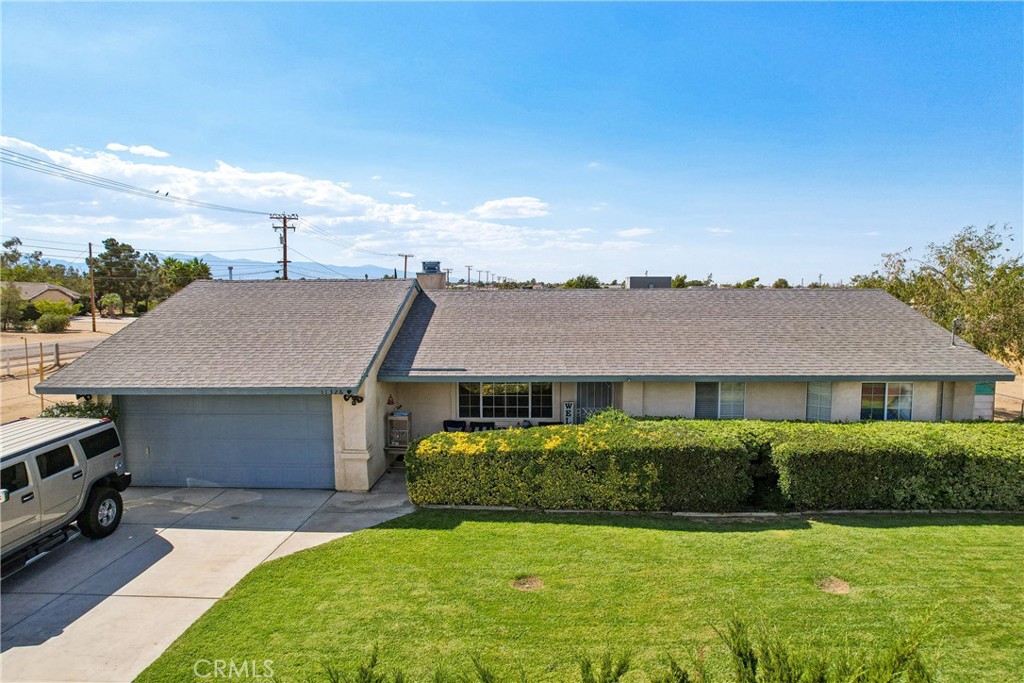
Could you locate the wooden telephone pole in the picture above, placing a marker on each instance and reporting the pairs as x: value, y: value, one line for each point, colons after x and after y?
x: 405, y: 267
x: 92, y: 289
x: 284, y: 228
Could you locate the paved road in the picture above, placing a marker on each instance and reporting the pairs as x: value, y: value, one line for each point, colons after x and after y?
x: 105, y: 610
x: 16, y: 350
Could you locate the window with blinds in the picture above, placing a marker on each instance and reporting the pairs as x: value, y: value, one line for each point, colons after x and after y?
x: 706, y: 405
x: 719, y: 400
x: 819, y: 401
x: 730, y: 400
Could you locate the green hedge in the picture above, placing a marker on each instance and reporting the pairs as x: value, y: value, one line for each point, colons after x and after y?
x: 604, y: 465
x: 617, y: 463
x: 902, y: 466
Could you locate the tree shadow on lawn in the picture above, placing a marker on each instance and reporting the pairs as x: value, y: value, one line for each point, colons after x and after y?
x: 441, y: 519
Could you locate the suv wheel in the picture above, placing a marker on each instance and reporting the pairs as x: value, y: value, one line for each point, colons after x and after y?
x: 102, y: 513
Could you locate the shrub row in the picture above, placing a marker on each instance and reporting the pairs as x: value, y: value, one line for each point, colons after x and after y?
x: 617, y: 463
x: 611, y: 464
x: 903, y: 466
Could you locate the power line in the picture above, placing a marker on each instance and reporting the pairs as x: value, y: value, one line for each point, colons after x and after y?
x: 321, y: 264
x: 19, y: 160
x: 328, y: 236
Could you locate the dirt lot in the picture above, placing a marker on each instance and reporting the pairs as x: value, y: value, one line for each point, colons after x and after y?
x: 1010, y: 398
x: 16, y: 398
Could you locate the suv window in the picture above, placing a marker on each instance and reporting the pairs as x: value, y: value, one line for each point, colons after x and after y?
x: 55, y: 461
x: 100, y: 442
x: 14, y: 478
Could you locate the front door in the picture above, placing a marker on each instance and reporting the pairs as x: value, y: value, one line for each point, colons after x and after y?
x: 593, y: 397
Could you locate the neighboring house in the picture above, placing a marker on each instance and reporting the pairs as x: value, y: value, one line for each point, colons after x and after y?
x: 287, y: 384
x: 649, y: 282
x: 45, y: 291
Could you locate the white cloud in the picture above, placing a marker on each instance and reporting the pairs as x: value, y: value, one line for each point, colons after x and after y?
x: 402, y: 195
x: 719, y: 231
x: 600, y: 206
x: 512, y: 207
x: 634, y: 232
x: 375, y: 177
x: 141, y: 150
x: 595, y: 164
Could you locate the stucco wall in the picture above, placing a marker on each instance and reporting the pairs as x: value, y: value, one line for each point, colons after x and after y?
x: 845, y: 401
x: 776, y: 401
x: 963, y: 401
x: 925, y: 407
x: 53, y: 295
x: 668, y: 399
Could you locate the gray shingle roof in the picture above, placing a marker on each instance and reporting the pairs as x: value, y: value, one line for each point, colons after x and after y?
x: 30, y: 290
x: 677, y: 333
x: 235, y: 336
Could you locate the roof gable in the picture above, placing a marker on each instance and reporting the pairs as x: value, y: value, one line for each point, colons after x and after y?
x: 296, y: 335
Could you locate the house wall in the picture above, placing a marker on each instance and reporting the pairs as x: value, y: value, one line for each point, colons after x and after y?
x: 53, y: 295
x: 359, y: 429
x: 846, y: 401
x: 775, y: 401
x: 963, y: 401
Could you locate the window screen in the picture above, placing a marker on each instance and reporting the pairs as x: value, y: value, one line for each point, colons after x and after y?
x: 100, y: 442
x: 872, y: 401
x: 731, y: 400
x: 819, y: 401
x: 14, y: 477
x: 55, y: 461
x: 706, y: 405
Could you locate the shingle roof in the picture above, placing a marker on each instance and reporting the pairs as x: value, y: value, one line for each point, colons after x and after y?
x: 676, y: 333
x: 235, y: 336
x: 30, y: 290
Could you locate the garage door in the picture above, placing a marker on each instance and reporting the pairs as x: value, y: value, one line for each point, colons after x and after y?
x: 234, y: 441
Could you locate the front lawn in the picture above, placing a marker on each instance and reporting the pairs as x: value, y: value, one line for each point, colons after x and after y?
x: 434, y: 587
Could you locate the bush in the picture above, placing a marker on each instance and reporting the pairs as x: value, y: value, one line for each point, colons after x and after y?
x: 92, y: 409
x: 902, y: 466
x: 613, y: 463
x: 31, y: 313
x: 58, y: 308
x: 51, y: 322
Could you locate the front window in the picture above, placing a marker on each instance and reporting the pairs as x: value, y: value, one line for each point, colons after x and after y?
x: 719, y: 400
x: 506, y: 400
x: 819, y: 401
x: 886, y: 400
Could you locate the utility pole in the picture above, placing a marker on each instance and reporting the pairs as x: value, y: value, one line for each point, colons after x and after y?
x: 284, y: 228
x: 487, y: 278
x: 92, y: 289
x: 447, y: 276
x: 405, y: 266
x: 469, y: 275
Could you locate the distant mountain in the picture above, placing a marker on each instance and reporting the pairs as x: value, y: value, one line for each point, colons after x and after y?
x: 246, y: 269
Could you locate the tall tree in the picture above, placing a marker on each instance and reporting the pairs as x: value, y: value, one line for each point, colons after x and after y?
x: 975, y: 279
x: 122, y: 270
x: 176, y: 275
x: 18, y: 266
x: 11, y: 305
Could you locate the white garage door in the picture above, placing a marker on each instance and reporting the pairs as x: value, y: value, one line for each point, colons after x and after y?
x: 234, y: 441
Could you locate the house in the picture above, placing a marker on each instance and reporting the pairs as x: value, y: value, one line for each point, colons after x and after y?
x: 649, y: 282
x: 45, y: 291
x: 288, y: 384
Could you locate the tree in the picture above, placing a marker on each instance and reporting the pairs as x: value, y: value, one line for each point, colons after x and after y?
x: 124, y: 271
x: 747, y: 284
x: 16, y: 266
x: 681, y: 281
x: 11, y: 306
x: 110, y: 304
x: 974, y: 280
x: 583, y: 282
x: 175, y: 275
x: 781, y: 283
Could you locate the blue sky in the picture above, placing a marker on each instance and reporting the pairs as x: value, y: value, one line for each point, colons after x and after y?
x: 532, y: 140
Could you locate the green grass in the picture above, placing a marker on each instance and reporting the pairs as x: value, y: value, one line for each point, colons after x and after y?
x: 434, y: 588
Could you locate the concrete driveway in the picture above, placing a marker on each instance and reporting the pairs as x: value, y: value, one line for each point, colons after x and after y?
x: 104, y: 610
